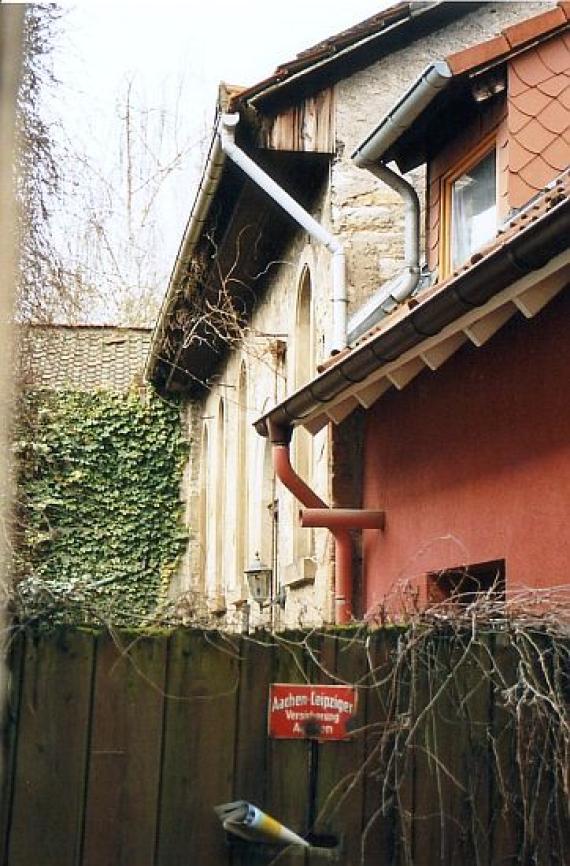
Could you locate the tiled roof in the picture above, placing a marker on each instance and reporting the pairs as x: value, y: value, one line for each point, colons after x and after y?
x: 329, y: 47
x: 83, y: 357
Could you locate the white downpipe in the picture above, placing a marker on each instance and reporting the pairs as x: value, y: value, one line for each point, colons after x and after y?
x: 302, y: 217
x: 392, y: 293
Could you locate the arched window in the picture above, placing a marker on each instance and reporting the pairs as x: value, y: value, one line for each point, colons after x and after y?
x: 220, y: 500
x: 304, y: 331
x: 241, y: 490
x: 204, y: 508
x: 304, y: 363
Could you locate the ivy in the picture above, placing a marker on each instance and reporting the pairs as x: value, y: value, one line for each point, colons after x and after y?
x: 99, y: 503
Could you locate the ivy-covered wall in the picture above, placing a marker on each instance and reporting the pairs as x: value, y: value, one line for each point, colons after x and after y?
x: 98, y: 503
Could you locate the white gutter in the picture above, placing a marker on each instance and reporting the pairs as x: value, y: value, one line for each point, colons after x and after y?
x: 369, y: 155
x: 414, y: 101
x: 302, y: 217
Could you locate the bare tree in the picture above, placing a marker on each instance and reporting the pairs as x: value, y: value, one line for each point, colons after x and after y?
x: 41, y: 289
x: 113, y: 244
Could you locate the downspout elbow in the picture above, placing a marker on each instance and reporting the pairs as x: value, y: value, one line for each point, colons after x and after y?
x: 411, y: 218
x: 401, y: 287
x: 280, y: 440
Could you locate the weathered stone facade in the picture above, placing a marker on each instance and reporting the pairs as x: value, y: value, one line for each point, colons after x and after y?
x: 235, y: 507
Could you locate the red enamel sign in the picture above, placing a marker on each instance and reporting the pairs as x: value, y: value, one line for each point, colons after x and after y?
x: 310, y: 712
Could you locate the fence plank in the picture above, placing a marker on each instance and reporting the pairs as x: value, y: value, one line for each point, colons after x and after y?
x: 474, y: 689
x: 325, y: 648
x: 52, y: 747
x: 426, y: 810
x: 125, y: 751
x: 287, y: 791
x: 342, y: 763
x: 15, y: 666
x: 198, y: 750
x: 250, y: 773
x: 506, y: 831
x: 405, y: 659
x: 379, y: 831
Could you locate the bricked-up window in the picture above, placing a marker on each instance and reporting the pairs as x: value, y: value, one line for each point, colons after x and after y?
x: 469, y: 203
x: 463, y: 584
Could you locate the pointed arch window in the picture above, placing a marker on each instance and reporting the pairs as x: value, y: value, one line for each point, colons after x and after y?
x: 304, y: 365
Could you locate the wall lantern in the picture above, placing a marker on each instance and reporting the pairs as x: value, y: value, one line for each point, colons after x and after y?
x: 258, y: 578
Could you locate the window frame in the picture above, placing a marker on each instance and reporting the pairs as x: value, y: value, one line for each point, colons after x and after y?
x: 486, y: 146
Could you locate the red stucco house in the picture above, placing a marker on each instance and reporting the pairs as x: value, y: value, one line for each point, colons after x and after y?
x: 451, y: 405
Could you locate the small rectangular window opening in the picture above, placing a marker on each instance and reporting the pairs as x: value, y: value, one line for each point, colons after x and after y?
x: 462, y: 585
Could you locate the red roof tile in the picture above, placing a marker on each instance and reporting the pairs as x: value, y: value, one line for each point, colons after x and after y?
x: 565, y: 8
x: 531, y: 69
x: 555, y: 85
x: 531, y: 102
x: 511, y: 38
x: 556, y: 154
x: 477, y: 55
x: 525, y: 31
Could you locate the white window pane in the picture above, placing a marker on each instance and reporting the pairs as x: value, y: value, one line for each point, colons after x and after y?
x: 473, y: 210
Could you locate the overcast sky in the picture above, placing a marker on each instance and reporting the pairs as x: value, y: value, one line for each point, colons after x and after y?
x: 207, y: 41
x: 167, y: 44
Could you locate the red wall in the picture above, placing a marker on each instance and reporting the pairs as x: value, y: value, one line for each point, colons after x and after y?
x: 472, y: 462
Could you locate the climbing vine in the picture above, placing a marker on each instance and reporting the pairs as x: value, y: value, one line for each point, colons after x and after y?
x: 98, y: 504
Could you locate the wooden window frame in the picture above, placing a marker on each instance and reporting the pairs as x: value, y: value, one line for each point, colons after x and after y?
x: 483, y: 149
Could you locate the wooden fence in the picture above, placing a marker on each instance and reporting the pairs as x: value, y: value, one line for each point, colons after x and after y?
x: 117, y: 747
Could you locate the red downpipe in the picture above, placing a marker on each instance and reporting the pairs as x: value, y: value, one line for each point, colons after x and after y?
x: 280, y: 440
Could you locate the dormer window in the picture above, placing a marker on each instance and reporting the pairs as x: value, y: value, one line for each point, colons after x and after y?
x: 470, y: 209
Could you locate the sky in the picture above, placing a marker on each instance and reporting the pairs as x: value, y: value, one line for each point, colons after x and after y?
x: 176, y: 53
